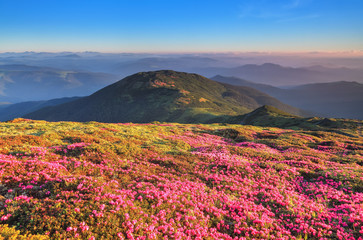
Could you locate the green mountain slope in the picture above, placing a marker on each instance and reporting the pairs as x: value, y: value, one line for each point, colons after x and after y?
x: 162, y: 96
x: 269, y: 116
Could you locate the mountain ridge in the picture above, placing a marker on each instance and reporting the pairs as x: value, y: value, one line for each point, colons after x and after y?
x: 163, y: 95
x: 16, y: 110
x: 341, y: 99
x: 21, y: 82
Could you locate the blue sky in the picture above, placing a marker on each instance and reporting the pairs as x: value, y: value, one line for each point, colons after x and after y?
x: 181, y: 25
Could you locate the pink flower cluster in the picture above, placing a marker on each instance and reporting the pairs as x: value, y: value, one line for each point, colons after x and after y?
x: 216, y: 189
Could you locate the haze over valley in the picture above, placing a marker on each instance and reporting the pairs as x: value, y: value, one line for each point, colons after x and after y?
x: 328, y: 86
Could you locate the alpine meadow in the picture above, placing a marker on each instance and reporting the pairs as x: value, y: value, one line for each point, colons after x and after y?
x: 184, y: 120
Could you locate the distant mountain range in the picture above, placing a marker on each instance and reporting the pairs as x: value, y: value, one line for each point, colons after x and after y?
x: 185, y: 64
x: 11, y: 111
x: 27, y: 83
x: 335, y: 99
x: 162, y: 96
x: 267, y: 73
x: 256, y: 67
x: 277, y: 75
x: 324, y: 91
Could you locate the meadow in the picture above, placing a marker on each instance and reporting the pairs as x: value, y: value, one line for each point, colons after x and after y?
x: 69, y: 180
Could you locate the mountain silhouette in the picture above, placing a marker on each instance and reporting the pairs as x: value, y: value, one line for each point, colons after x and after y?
x: 342, y: 99
x: 163, y: 95
x: 20, y: 83
x: 16, y: 110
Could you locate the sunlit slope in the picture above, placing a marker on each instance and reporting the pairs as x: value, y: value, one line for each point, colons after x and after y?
x: 162, y: 96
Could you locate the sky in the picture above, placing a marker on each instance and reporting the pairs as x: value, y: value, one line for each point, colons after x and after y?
x: 181, y: 25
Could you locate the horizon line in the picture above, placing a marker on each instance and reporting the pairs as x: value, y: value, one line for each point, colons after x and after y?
x: 350, y: 52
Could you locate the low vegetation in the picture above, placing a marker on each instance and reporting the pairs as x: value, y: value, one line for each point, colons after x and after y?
x: 68, y: 180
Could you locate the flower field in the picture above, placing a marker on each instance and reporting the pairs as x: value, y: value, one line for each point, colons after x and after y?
x: 68, y: 180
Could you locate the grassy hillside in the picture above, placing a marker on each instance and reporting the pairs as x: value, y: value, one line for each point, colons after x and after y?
x: 94, y: 180
x: 161, y: 96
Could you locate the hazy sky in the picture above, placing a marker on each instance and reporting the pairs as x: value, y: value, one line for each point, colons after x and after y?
x: 181, y: 25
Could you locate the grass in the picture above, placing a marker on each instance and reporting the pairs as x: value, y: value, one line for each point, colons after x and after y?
x: 96, y: 180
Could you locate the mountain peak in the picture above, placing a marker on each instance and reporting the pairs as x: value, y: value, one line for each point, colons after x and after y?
x: 163, y: 95
x: 166, y: 76
x: 181, y: 82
